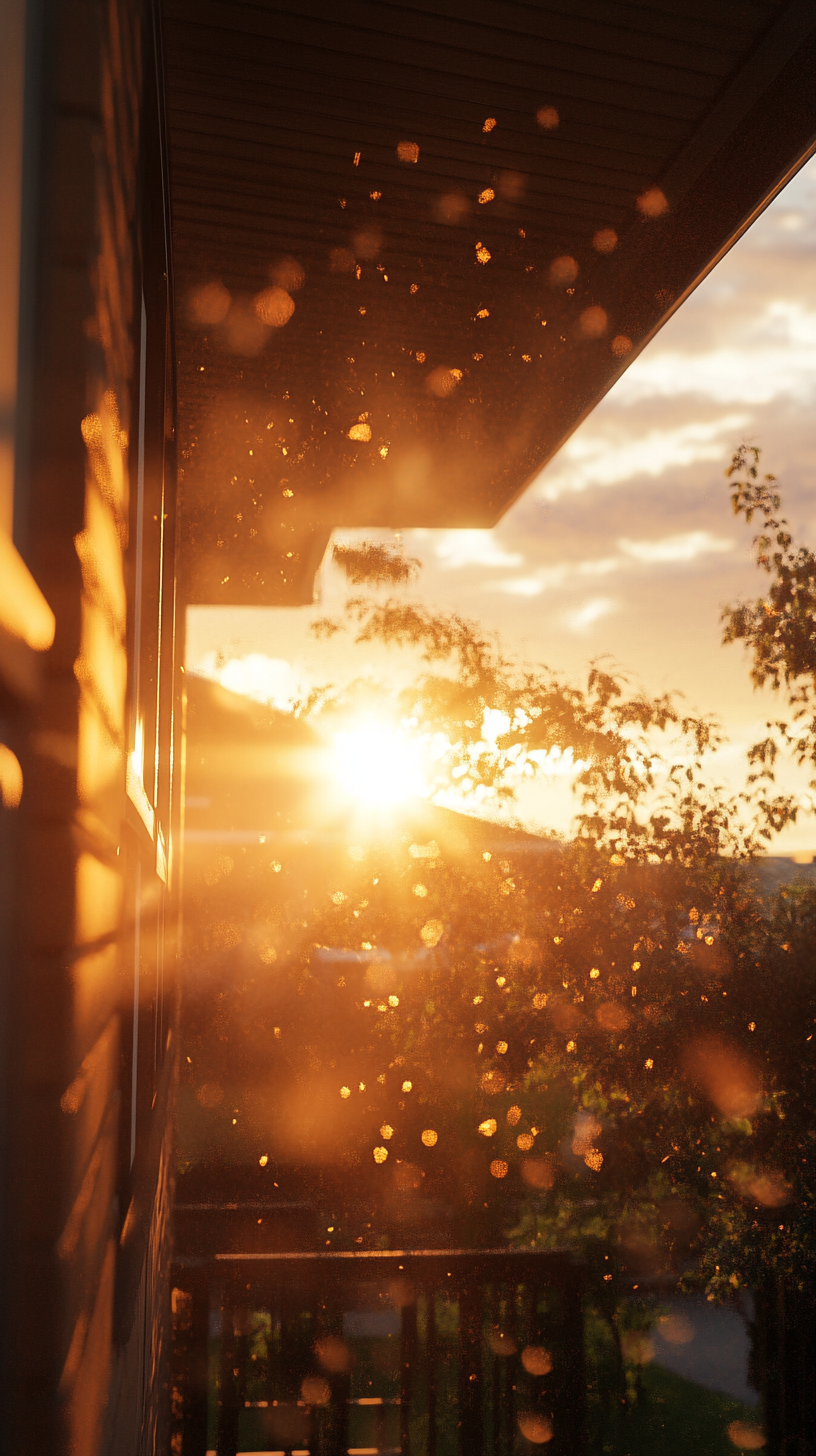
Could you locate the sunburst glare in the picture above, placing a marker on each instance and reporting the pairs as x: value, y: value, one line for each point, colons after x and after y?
x: 378, y: 765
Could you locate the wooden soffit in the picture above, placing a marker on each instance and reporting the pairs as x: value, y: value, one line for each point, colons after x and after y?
x: 449, y: 179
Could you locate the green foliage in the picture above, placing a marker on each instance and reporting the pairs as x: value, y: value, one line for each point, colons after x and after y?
x: 779, y: 628
x: 372, y: 564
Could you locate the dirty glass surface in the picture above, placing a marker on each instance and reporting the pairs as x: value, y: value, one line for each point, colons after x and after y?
x: 494, y: 1133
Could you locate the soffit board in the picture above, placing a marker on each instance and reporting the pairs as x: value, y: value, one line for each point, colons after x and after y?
x: 284, y: 125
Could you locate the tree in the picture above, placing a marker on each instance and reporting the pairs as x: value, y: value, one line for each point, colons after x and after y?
x: 608, y: 1045
x: 779, y: 628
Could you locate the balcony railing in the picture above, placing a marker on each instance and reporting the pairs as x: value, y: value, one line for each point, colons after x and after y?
x: 420, y: 1352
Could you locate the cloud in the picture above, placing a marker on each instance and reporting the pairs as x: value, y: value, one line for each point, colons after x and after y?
x: 608, y: 454
x: 590, y: 613
x: 774, y: 355
x: 548, y: 577
x: 683, y: 547
x: 473, y: 548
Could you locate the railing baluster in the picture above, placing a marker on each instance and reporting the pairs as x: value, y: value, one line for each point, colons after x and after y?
x: 471, y: 1433
x: 226, y: 1442
x: 408, y: 1352
x: 430, y: 1358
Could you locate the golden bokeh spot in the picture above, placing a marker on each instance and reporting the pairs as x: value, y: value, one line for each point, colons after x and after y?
x: 652, y: 203
x: 367, y: 244
x: 563, y: 271
x: 593, y: 322
x: 538, y: 1172
x: 380, y: 1155
x: 612, y: 1016
x: 11, y: 778
x: 225, y: 934
x: 431, y: 933
x: 263, y: 1160
x: 420, y: 890
x: 594, y: 973
x: 501, y: 1343
x: 605, y: 240
x: 488, y: 1127
x: 393, y: 1002
x: 676, y: 1329
x: 408, y: 151
x: 536, y: 1360
x: 386, y: 1131
x: 407, y: 1086
x: 746, y: 1437
x: 345, y: 1092
x: 547, y: 118
x: 442, y: 382
x: 274, y: 307
x: 539, y: 1000
x: 594, y: 1160
x: 648, y: 1064
x: 430, y: 1138
x: 514, y: 1116
x: 315, y: 1390
x: 332, y: 1352
x: 452, y: 208
x: 498, y: 1168
x: 571, y: 1046
x: 621, y: 346
x: 637, y: 1346
x: 525, y: 1141
x: 535, y: 1428
x: 209, y: 304
x: 501, y: 1048
x: 360, y: 432
x: 487, y: 195
x: 489, y: 124
x: 288, y: 273
x: 483, y: 254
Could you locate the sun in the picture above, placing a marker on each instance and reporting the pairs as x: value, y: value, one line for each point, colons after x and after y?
x: 377, y: 765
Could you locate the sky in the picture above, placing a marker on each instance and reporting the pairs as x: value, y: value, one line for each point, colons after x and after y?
x: 625, y: 546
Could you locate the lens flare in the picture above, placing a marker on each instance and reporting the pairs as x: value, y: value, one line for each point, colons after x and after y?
x: 377, y: 765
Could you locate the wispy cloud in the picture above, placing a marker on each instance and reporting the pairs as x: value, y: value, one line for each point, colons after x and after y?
x: 683, y: 547
x: 473, y: 548
x: 610, y: 453
x: 590, y: 613
x: 775, y: 356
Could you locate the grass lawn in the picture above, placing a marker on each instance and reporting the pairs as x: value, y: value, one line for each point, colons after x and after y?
x: 676, y: 1417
